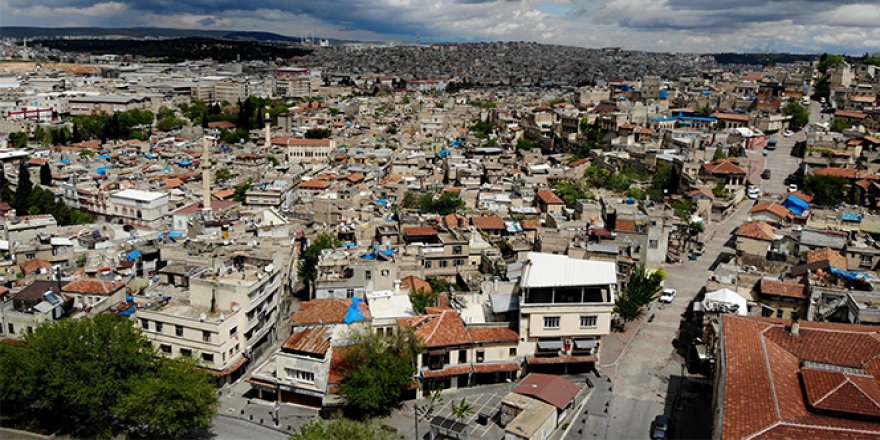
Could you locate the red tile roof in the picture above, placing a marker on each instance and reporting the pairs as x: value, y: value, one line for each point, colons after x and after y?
x: 419, y: 231
x: 92, y: 287
x: 496, y: 368
x: 773, y: 287
x: 548, y: 198
x: 325, y: 311
x: 492, y: 334
x: 440, y: 329
x: 413, y: 283
x: 314, y: 184
x: 548, y: 388
x: 733, y: 117
x: 723, y: 167
x: 454, y: 370
x: 773, y: 208
x: 846, y: 173
x: 849, y: 114
x: 488, y: 223
x: 33, y: 266
x: 769, y: 390
x: 834, y: 258
x: 757, y: 231
x: 624, y: 225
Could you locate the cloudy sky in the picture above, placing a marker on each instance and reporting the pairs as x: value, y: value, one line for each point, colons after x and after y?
x: 661, y: 25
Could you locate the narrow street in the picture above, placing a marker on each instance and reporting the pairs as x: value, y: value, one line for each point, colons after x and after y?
x: 641, y: 376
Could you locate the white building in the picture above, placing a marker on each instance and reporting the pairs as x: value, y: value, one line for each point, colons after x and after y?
x: 136, y: 207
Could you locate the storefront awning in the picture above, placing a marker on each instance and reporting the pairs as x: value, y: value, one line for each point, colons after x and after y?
x: 561, y: 359
x: 550, y: 345
x: 584, y: 344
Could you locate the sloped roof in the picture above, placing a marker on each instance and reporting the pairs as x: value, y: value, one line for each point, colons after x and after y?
x: 773, y: 208
x: 492, y: 334
x: 723, y: 167
x: 756, y: 230
x: 548, y: 388
x: 834, y: 258
x: 315, y: 340
x: 846, y: 173
x: 325, y: 311
x: 549, y: 198
x: 414, y: 283
x: 773, y: 287
x: 765, y: 395
x: 440, y: 329
x: 488, y: 222
x: 93, y: 287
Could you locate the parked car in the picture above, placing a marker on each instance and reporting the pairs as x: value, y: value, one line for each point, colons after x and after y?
x: 788, y: 133
x: 792, y: 188
x: 668, y: 295
x: 660, y: 428
x: 766, y: 174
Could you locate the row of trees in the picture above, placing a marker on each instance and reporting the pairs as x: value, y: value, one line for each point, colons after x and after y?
x: 444, y: 204
x: 99, y: 377
x: 30, y: 200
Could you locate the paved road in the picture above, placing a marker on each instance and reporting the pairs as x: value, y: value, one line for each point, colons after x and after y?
x: 641, y: 376
x: 780, y: 161
x: 229, y: 428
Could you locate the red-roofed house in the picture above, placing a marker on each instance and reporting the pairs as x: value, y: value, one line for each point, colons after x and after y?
x: 549, y: 202
x: 490, y: 224
x: 779, y: 380
x: 725, y: 172
x: 94, y: 296
x: 780, y: 299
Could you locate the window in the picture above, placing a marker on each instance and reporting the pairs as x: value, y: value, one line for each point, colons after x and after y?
x: 551, y: 322
x: 779, y: 313
x: 368, y: 275
x: 185, y: 352
x: 11, y: 329
x: 459, y: 262
x: 206, y: 336
x: 866, y: 261
x: 208, y: 357
x: 444, y: 263
x: 145, y: 324
x: 300, y: 375
x: 233, y: 331
x: 165, y: 348
x: 653, y: 244
x: 349, y: 293
x: 456, y: 250
x: 385, y: 272
x: 588, y: 321
x: 30, y: 255
x: 178, y: 330
x: 462, y: 356
x: 512, y: 351
x: 427, y: 264
x: 158, y: 327
x: 481, y: 356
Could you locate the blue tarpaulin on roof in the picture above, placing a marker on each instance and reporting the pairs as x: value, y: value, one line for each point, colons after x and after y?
x: 134, y: 255
x: 382, y: 202
x: 851, y: 217
x: 104, y: 156
x: 65, y: 161
x: 129, y: 311
x: 443, y: 153
x: 349, y: 245
x: 184, y: 163
x: 455, y: 143
x: 370, y: 256
x: 103, y: 170
x: 149, y: 156
x: 387, y: 252
x: 663, y: 94
x: 354, y: 313
x: 849, y: 276
x: 795, y: 204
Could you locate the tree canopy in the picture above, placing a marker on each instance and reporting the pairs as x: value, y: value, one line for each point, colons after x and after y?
x: 377, y: 369
x: 445, y: 204
x: 100, y: 376
x: 307, y: 268
x: 827, y: 190
x: 344, y: 429
x: 640, y: 291
x: 800, y: 114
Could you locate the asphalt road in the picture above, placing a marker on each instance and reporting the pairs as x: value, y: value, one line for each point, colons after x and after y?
x: 230, y: 428
x: 780, y: 162
x: 642, y: 374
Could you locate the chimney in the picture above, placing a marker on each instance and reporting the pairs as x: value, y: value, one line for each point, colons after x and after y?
x: 206, y: 176
x: 795, y: 324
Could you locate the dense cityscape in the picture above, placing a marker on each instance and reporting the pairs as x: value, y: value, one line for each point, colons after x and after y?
x: 218, y: 236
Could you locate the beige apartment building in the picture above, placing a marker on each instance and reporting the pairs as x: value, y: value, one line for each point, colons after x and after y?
x: 136, y: 207
x: 565, y: 308
x: 226, y: 313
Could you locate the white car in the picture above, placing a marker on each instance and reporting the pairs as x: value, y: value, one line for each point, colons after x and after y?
x: 788, y: 133
x: 753, y: 192
x: 792, y: 188
x: 668, y: 295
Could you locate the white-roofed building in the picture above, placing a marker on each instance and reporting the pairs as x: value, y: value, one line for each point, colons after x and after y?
x: 565, y: 309
x: 139, y: 208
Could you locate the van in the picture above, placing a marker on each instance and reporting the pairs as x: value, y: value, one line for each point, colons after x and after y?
x: 771, y: 144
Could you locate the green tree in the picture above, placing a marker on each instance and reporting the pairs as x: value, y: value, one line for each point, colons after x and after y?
x: 800, y: 114
x: 377, y: 369
x: 317, y: 133
x: 827, y: 190
x: 18, y: 139
x: 411, y: 200
x: 570, y: 192
x: 462, y: 410
x: 640, y: 291
x: 222, y: 174
x: 86, y: 374
x: 663, y: 179
x: 683, y: 209
x: 170, y: 401
x: 45, y: 175
x: 344, y: 429
x: 170, y: 123
x: 421, y: 299
x: 839, y: 126
x: 719, y: 154
x: 525, y: 144
x: 273, y: 160
x: 241, y: 191
x: 6, y: 194
x: 24, y: 188
x: 447, y: 203
x: 720, y: 191
x: 307, y: 266
x: 704, y: 111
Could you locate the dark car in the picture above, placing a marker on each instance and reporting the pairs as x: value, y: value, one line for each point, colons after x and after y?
x: 765, y: 174
x: 660, y: 427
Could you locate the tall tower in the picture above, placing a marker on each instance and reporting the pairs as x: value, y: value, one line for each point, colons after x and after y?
x: 268, y: 143
x: 206, y: 175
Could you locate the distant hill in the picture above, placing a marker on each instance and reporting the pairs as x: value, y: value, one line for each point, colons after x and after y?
x: 142, y: 32
x: 179, y: 49
x: 762, y: 59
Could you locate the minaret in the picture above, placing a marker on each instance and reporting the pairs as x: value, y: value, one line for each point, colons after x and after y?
x: 268, y: 132
x: 206, y: 176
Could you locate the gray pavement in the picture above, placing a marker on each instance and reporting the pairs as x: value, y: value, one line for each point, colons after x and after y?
x: 231, y: 428
x: 641, y: 376
x: 780, y: 161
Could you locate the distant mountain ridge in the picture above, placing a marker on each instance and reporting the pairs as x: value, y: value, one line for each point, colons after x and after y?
x: 142, y: 32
